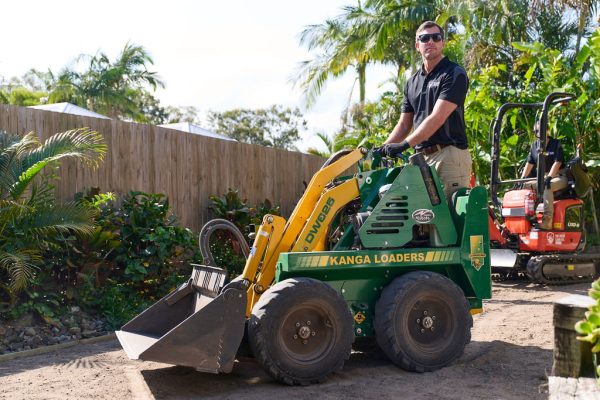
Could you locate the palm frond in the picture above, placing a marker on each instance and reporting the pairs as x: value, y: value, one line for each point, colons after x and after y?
x: 21, y: 265
x: 45, y: 222
x: 83, y: 144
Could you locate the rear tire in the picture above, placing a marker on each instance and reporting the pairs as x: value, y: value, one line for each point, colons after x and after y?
x: 422, y: 321
x: 301, y: 331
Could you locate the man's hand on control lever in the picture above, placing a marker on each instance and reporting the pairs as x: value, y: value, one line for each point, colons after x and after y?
x: 393, y: 150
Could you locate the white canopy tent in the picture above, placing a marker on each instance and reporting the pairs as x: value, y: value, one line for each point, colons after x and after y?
x: 195, y: 129
x: 68, y: 108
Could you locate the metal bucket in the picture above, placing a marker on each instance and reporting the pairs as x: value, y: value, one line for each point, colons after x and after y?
x: 199, y: 325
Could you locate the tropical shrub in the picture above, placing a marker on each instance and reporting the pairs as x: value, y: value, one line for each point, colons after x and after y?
x: 590, y: 326
x: 223, y: 245
x: 30, y: 217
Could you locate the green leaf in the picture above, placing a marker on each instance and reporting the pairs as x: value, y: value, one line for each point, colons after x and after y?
x: 584, y: 327
x: 593, y: 318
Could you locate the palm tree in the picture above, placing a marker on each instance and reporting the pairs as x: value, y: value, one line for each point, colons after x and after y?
x: 29, y: 216
x: 329, y: 146
x: 111, y: 88
x: 342, y: 45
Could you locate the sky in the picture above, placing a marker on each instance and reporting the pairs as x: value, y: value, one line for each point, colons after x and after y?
x: 215, y: 55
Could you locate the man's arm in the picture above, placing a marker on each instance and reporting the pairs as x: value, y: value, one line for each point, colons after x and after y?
x: 439, y: 115
x: 527, y: 170
x: 555, y: 168
x: 402, y: 128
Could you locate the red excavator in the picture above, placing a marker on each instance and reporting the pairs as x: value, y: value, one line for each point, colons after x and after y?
x: 518, y: 243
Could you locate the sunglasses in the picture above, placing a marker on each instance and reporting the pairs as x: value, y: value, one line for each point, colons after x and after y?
x: 426, y: 37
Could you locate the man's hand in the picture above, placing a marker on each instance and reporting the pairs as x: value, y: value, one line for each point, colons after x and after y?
x: 393, y: 150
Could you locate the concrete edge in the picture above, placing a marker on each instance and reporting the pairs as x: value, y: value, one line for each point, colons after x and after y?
x: 56, y: 347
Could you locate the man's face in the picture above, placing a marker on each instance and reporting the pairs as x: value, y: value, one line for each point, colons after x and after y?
x: 430, y: 50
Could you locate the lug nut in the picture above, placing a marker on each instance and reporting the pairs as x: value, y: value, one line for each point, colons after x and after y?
x: 313, y: 333
x: 307, y: 322
x: 422, y: 330
x: 304, y: 341
x: 433, y: 318
x: 418, y: 320
x: 297, y: 324
x: 432, y: 329
x: 424, y: 312
x: 295, y: 336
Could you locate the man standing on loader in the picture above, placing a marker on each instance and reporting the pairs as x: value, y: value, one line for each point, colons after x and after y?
x: 433, y: 105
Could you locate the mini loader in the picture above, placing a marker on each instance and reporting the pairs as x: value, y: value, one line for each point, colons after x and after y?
x: 353, y: 260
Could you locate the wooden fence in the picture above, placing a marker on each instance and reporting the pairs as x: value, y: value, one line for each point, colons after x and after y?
x: 186, y: 167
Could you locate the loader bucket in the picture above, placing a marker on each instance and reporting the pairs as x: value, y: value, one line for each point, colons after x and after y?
x: 199, y: 325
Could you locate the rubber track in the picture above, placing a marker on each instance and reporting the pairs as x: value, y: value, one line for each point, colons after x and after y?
x: 386, y: 321
x: 536, y: 275
x: 258, y: 341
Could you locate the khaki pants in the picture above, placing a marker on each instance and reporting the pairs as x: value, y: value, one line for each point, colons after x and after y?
x: 557, y: 183
x: 453, y: 166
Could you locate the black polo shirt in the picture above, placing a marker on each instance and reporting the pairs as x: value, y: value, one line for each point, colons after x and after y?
x: 554, y: 153
x: 448, y: 81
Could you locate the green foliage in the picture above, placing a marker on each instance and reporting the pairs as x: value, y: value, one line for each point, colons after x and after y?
x: 119, y: 88
x: 275, y: 126
x: 152, y: 246
x: 232, y: 207
x: 590, y: 326
x: 135, y: 255
x: 30, y: 218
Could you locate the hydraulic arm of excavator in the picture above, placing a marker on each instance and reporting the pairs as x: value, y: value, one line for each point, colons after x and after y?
x: 304, y: 231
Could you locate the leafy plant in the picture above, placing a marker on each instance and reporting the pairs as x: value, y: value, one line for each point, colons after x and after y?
x: 30, y: 218
x: 590, y: 326
x: 232, y: 207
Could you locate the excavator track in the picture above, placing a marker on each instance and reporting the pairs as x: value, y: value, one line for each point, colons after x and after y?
x: 563, y: 269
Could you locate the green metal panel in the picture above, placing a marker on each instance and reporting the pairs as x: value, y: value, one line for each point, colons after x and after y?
x: 390, y: 225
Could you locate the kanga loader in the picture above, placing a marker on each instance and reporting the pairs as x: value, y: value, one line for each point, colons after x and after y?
x: 380, y: 253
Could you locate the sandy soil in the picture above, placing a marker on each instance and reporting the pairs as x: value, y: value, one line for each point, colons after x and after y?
x: 510, y: 357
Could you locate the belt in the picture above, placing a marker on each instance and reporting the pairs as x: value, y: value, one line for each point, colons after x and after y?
x: 433, y: 148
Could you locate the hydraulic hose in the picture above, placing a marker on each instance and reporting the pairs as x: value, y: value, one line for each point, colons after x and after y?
x: 219, y: 225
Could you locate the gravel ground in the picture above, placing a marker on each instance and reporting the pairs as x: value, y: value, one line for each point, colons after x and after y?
x: 509, y: 357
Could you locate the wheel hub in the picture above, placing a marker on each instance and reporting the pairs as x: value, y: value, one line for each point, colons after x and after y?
x: 304, y: 332
x: 426, y: 322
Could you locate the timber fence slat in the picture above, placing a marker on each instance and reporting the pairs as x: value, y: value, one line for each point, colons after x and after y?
x: 188, y: 168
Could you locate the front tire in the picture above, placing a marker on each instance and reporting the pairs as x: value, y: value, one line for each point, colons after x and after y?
x: 422, y: 321
x: 301, y: 331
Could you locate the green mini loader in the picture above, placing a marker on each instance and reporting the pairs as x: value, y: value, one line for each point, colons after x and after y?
x: 379, y: 253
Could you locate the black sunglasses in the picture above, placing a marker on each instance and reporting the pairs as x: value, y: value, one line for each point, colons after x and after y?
x: 424, y: 38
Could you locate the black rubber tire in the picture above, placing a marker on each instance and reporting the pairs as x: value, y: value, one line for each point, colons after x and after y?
x: 411, y: 298
x: 274, y: 322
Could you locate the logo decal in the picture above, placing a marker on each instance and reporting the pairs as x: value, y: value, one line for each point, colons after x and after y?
x: 550, y: 237
x: 477, y: 254
x: 319, y: 222
x: 423, y: 216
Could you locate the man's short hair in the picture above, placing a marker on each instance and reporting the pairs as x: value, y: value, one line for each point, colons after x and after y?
x: 429, y: 24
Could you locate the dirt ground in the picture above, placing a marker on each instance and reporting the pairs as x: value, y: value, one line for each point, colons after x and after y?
x: 509, y: 357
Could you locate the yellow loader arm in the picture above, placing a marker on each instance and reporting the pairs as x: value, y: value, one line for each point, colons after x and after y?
x: 306, y: 228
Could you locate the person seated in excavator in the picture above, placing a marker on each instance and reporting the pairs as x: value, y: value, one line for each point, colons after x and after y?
x: 555, y: 174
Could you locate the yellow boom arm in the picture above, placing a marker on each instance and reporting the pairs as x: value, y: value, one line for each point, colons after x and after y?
x: 306, y: 228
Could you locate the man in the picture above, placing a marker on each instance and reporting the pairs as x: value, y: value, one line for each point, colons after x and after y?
x: 433, y: 105
x: 555, y: 176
